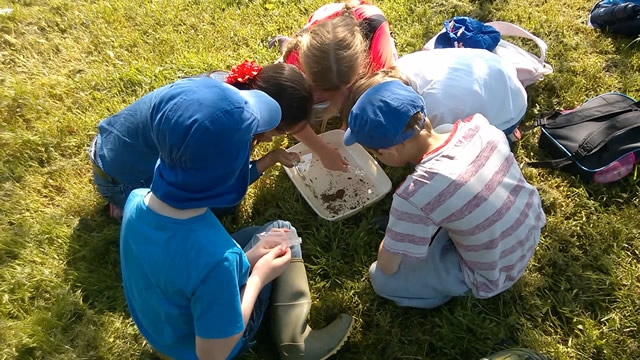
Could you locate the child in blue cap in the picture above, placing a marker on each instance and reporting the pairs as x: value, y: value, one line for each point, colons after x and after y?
x: 124, y: 154
x: 465, y: 219
x: 192, y: 290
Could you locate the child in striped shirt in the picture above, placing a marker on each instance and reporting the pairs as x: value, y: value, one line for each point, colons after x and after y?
x: 465, y: 219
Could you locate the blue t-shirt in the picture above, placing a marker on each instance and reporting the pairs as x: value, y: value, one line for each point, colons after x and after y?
x: 125, y: 148
x: 181, y: 278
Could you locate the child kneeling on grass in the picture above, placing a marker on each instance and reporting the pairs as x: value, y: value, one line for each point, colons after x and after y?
x: 464, y: 219
x: 340, y: 43
x: 124, y: 153
x: 455, y: 84
x: 192, y: 290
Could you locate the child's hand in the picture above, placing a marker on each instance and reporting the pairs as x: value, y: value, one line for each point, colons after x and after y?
x: 333, y: 160
x: 276, y: 156
x: 285, y: 158
x: 272, y: 264
x: 262, y: 247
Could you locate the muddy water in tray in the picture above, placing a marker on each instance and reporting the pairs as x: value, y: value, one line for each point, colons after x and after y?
x: 337, y: 192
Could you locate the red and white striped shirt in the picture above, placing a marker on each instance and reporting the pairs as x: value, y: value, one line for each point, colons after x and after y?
x: 472, y: 187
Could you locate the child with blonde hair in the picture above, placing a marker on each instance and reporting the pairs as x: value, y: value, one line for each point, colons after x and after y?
x: 340, y: 43
x: 465, y: 219
x: 455, y: 84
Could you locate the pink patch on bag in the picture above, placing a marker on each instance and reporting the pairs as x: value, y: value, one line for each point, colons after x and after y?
x: 616, y: 170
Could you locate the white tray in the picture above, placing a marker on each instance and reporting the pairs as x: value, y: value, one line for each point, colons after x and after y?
x: 321, y: 185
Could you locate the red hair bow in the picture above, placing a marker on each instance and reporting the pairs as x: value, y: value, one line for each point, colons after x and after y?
x: 243, y: 72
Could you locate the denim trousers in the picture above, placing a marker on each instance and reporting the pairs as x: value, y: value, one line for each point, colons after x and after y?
x: 247, y: 239
x: 111, y: 189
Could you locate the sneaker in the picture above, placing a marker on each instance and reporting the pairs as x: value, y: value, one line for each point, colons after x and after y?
x: 515, y: 135
x: 279, y: 40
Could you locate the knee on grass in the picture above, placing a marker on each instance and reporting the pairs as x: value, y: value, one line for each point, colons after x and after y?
x: 278, y: 224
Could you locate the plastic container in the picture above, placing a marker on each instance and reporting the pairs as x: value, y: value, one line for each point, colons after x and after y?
x: 335, y: 195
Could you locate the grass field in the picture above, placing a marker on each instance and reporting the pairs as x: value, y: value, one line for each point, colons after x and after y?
x: 65, y: 65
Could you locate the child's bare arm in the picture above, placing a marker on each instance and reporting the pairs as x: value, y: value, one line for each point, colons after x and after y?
x: 281, y: 156
x: 269, y: 267
x: 329, y: 156
x: 214, y: 349
x: 388, y: 262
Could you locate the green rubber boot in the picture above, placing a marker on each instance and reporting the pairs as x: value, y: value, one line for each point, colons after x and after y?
x: 516, y: 354
x: 290, y: 304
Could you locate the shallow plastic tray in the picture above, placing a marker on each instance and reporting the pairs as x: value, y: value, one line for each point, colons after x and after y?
x: 318, y: 180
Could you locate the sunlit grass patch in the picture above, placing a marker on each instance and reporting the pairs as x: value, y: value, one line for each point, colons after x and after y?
x: 65, y: 65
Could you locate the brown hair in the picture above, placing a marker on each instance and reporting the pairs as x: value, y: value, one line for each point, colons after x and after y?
x: 362, y: 85
x: 415, y: 123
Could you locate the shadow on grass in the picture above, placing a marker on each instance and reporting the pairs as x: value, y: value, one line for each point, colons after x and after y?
x: 571, y: 280
x: 621, y: 42
x: 568, y: 282
x: 338, y: 256
x: 93, y: 265
x: 93, y: 270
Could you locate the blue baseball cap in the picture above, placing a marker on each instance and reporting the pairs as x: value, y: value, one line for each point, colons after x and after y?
x: 203, y: 129
x: 380, y: 115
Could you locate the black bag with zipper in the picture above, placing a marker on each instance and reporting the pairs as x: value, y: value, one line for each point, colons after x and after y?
x: 600, y: 140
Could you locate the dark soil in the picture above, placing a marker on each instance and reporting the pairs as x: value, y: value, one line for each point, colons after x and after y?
x: 331, y: 197
x: 342, y: 194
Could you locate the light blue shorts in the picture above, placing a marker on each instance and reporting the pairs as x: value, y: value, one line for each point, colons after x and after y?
x: 423, y: 283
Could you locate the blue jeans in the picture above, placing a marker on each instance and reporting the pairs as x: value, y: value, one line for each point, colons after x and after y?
x: 115, y: 192
x: 247, y: 239
x: 423, y: 283
x: 110, y: 188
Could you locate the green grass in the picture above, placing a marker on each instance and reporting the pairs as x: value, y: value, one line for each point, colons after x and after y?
x: 65, y: 65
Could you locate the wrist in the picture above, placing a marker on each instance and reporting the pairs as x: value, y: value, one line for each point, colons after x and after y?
x: 255, y: 281
x: 252, y: 257
x: 272, y: 157
x: 265, y: 162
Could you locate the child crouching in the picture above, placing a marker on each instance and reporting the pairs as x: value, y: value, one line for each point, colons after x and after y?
x: 193, y: 290
x: 464, y: 219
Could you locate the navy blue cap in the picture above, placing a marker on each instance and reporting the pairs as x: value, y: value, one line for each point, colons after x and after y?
x: 203, y: 129
x: 380, y: 115
x: 469, y: 33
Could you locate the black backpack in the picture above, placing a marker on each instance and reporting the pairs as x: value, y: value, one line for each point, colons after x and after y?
x: 599, y: 140
x: 616, y: 16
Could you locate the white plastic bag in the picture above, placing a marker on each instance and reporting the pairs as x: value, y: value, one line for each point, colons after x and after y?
x: 275, y: 238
